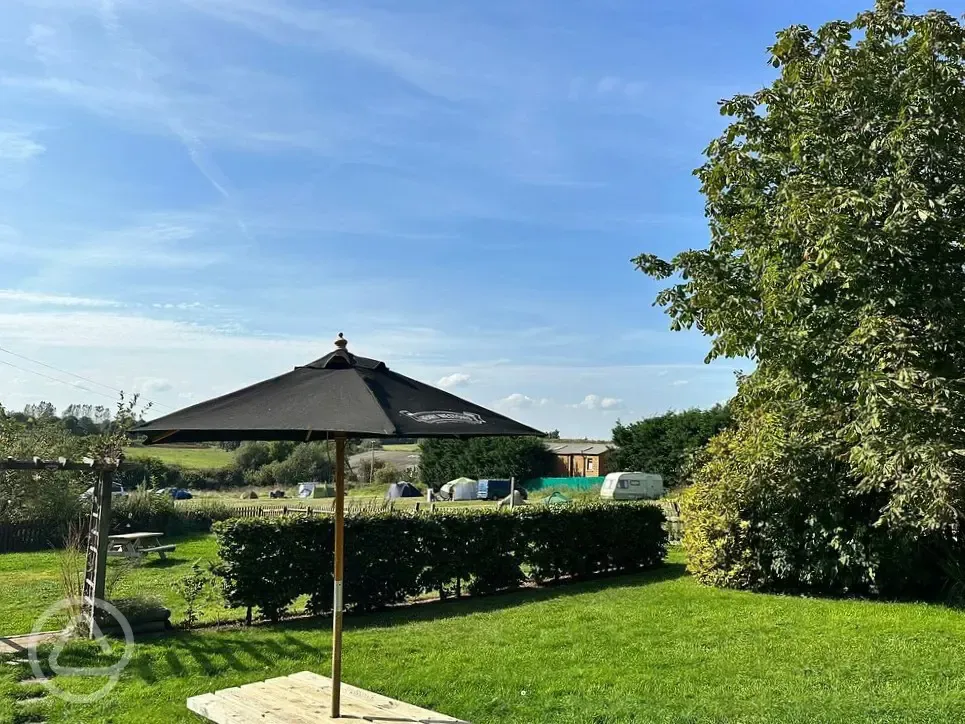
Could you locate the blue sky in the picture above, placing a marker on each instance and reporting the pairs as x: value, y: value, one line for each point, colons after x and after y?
x: 197, y: 194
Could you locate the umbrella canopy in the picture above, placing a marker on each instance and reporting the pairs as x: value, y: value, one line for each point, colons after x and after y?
x: 339, y: 393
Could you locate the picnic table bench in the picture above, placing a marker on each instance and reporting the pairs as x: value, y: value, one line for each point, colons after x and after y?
x: 304, y: 698
x: 136, y: 546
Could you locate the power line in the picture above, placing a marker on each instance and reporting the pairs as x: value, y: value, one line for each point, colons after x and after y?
x: 55, y: 379
x: 56, y: 369
x: 71, y: 374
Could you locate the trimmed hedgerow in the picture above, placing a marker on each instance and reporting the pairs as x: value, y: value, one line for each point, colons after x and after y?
x: 267, y: 563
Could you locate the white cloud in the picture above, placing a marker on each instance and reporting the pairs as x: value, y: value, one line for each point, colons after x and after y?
x: 596, y: 402
x: 183, y: 306
x: 456, y: 379
x: 18, y: 146
x: 515, y: 401
x: 59, y: 300
x: 680, y: 383
x: 153, y: 385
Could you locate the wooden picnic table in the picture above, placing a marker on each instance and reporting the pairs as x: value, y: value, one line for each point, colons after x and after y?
x: 137, y: 545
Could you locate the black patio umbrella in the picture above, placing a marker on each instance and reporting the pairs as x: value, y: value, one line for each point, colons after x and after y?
x: 337, y: 396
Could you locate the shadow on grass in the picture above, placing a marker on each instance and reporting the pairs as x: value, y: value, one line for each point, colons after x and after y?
x: 155, y: 564
x: 455, y: 608
x: 237, y: 650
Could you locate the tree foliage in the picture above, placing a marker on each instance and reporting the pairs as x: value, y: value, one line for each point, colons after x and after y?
x: 484, y: 457
x: 667, y: 443
x: 836, y: 202
x: 48, y: 496
x: 309, y: 461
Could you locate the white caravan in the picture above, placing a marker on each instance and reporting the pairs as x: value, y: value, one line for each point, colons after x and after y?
x: 632, y: 486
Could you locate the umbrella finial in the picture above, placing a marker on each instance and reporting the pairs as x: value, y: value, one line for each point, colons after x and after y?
x: 341, y: 342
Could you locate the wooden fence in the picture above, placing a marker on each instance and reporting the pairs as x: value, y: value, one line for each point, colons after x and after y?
x: 674, y: 525
x: 23, y: 537
x: 273, y: 511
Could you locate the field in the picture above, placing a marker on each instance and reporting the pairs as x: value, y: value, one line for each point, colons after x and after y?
x: 653, y: 647
x: 192, y: 458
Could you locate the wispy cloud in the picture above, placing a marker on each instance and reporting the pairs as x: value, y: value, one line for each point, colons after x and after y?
x: 158, y: 241
x: 19, y: 296
x: 153, y: 385
x: 606, y: 88
x: 18, y: 146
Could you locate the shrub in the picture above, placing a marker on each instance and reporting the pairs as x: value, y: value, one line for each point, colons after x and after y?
x: 367, y: 469
x: 155, y: 473
x: 147, y: 510
x: 192, y: 588
x: 308, y: 461
x: 609, y: 538
x: 267, y: 563
x: 142, y: 510
x: 387, y: 474
x: 768, y: 512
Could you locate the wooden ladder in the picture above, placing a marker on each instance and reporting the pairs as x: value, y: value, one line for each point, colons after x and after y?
x: 96, y: 570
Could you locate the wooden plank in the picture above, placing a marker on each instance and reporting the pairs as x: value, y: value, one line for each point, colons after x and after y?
x: 280, y: 699
x: 380, y: 702
x: 221, y: 711
x: 318, y: 699
x: 263, y: 710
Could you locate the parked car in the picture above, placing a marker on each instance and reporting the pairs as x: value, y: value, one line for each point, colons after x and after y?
x: 117, y: 490
x: 632, y: 486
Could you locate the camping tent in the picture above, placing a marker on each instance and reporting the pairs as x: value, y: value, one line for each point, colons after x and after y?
x: 402, y: 490
x: 555, y: 498
x: 460, y: 489
x: 517, y: 499
x: 315, y: 490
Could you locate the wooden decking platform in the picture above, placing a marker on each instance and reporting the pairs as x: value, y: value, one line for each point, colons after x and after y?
x: 304, y: 698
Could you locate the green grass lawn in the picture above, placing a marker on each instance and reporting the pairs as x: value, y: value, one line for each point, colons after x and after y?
x: 193, y: 458
x: 30, y: 582
x: 652, y: 647
x: 402, y: 447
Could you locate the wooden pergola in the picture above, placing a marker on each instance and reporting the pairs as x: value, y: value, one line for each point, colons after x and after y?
x: 100, y: 519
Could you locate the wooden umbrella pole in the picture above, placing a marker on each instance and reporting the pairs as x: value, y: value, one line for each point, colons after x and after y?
x: 338, y: 604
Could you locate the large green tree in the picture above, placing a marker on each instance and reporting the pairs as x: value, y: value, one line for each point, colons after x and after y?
x: 484, y: 457
x: 836, y: 205
x: 667, y: 443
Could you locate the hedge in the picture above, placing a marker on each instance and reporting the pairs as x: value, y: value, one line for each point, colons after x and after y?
x: 391, y: 557
x: 155, y: 473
